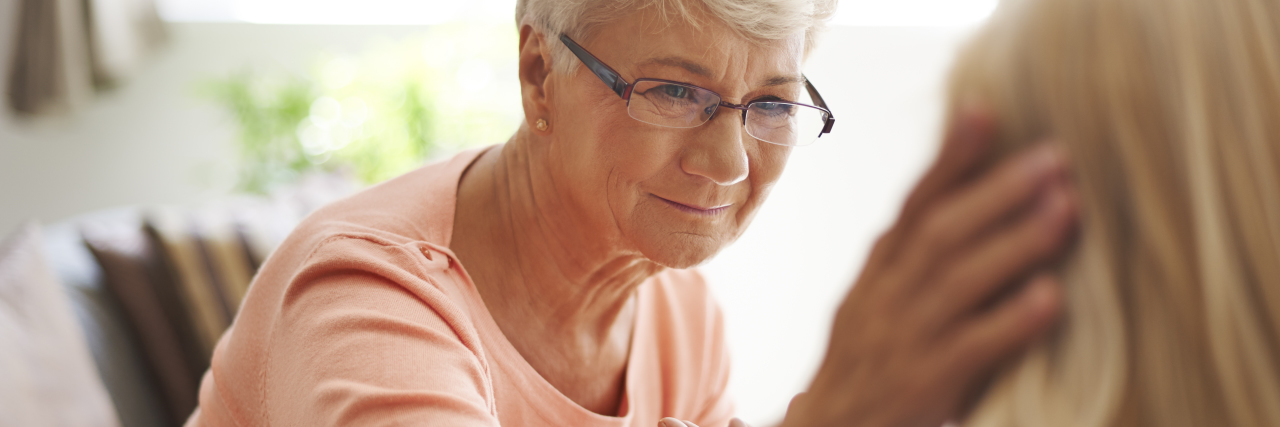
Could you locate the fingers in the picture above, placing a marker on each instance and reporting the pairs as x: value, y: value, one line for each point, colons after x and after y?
x: 962, y: 149
x: 992, y: 198
x: 980, y: 209
x: 1008, y: 327
x: 672, y: 422
x: 1004, y: 256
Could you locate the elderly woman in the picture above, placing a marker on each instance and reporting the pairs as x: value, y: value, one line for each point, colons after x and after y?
x: 544, y: 282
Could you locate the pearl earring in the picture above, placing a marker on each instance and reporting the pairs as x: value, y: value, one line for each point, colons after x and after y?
x: 541, y: 125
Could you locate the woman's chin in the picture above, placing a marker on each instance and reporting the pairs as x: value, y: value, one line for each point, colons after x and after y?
x: 682, y: 250
x: 677, y: 240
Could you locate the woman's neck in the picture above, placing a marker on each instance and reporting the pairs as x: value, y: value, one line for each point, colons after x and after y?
x: 562, y: 295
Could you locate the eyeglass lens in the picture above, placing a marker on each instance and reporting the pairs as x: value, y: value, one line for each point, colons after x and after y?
x: 677, y: 105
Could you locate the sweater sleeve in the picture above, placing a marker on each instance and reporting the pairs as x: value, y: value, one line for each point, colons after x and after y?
x: 363, y: 338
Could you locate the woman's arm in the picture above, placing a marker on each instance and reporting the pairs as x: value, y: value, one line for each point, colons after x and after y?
x: 361, y: 334
x: 357, y: 349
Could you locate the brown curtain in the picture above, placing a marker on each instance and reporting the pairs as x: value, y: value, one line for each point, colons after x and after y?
x: 65, y: 49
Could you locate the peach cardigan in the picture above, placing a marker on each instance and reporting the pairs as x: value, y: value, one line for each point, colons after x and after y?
x: 364, y: 317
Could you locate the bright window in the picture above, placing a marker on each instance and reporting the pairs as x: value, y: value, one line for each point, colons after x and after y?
x: 913, y: 13
x: 426, y: 12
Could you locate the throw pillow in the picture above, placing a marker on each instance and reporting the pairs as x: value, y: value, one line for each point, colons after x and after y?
x: 47, y: 376
x: 140, y: 281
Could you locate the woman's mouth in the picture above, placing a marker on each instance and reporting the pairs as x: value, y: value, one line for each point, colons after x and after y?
x: 696, y: 210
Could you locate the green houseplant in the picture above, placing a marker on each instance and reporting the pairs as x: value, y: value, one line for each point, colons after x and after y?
x: 377, y: 114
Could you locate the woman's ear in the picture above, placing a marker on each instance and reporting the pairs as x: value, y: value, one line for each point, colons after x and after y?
x: 535, y: 68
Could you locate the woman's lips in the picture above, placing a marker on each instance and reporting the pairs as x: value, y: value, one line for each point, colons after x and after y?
x: 712, y: 211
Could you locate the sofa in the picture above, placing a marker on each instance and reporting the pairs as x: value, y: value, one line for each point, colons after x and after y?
x: 110, y: 318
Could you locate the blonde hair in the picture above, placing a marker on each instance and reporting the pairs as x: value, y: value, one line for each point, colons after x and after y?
x: 754, y: 19
x: 1170, y: 110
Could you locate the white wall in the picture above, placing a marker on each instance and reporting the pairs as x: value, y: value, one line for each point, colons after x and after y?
x: 151, y: 141
x: 780, y: 283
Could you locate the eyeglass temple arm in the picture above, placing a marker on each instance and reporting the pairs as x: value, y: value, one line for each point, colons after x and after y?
x: 817, y: 99
x: 606, y: 74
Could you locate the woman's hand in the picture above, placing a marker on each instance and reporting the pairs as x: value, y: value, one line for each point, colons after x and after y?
x: 949, y: 292
x: 672, y: 422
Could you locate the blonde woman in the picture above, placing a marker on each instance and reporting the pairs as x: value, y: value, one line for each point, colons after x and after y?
x: 1170, y: 111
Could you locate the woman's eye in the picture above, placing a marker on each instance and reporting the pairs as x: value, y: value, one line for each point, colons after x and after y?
x: 675, y: 91
x: 773, y: 108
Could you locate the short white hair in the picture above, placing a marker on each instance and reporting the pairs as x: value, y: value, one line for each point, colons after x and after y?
x: 755, y: 19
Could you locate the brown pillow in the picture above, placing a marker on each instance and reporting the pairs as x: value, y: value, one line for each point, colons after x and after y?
x: 224, y: 253
x: 141, y: 282
x: 172, y: 233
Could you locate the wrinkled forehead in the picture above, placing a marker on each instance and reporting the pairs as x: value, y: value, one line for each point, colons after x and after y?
x: 702, y: 47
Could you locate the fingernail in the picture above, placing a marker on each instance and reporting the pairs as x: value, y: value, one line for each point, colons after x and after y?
x: 668, y: 422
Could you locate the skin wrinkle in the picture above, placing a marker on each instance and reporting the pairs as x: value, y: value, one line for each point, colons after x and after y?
x: 675, y: 61
x: 557, y: 205
x: 692, y: 67
x: 559, y: 241
x: 605, y: 103
x: 550, y: 204
x: 608, y: 197
x: 525, y: 263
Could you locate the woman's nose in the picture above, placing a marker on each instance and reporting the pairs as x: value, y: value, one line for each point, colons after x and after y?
x: 717, y: 153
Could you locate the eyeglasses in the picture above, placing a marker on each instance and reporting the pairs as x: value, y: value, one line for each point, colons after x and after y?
x: 681, y: 105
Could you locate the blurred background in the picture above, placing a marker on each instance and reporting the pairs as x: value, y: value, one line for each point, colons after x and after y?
x: 177, y: 104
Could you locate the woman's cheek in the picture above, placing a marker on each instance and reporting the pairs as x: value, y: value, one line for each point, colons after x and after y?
x: 645, y: 154
x: 767, y: 163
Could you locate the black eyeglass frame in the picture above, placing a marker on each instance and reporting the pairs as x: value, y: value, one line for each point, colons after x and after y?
x: 620, y: 86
